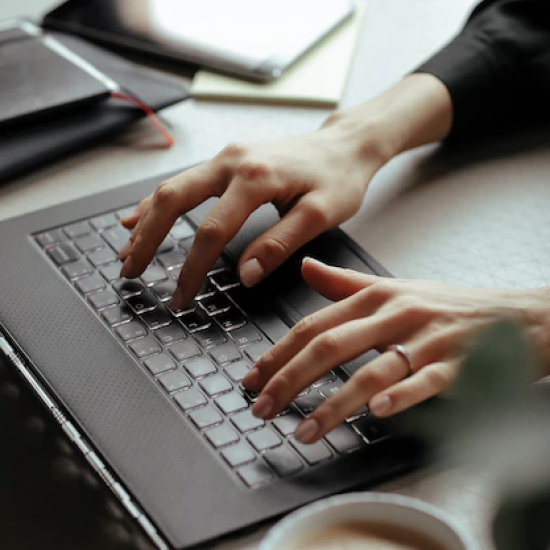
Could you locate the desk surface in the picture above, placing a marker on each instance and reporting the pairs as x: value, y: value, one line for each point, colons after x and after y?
x: 465, y: 217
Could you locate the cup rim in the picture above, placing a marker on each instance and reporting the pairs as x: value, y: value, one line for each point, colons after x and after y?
x: 364, y: 497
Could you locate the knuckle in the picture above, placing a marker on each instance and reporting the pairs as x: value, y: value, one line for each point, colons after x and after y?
x: 252, y: 170
x: 382, y: 290
x: 165, y: 195
x: 210, y: 231
x: 275, y: 249
x: 234, y: 150
x: 316, y: 213
x: 369, y: 380
x: 437, y: 378
x: 411, y: 306
x: 327, y: 344
x: 305, y: 328
x: 330, y: 413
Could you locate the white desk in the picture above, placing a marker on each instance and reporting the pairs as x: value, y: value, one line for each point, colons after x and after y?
x: 430, y: 214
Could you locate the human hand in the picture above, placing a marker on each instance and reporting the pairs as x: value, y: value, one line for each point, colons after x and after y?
x: 316, y: 182
x: 432, y: 320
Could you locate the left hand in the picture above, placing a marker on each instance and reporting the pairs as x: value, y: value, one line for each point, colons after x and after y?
x: 431, y: 320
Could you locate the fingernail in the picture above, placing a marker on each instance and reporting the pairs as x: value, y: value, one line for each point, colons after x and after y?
x: 252, y: 379
x: 263, y: 406
x: 125, y: 251
x: 380, y: 405
x: 307, y: 431
x: 251, y: 272
x: 306, y: 259
x: 127, y: 267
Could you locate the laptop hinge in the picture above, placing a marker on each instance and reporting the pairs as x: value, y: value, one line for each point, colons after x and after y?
x: 83, y: 446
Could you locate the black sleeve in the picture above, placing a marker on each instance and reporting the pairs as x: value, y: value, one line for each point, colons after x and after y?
x: 497, y: 69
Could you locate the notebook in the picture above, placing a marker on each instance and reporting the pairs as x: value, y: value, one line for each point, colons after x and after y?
x: 150, y: 397
x: 45, y: 77
x: 317, y: 79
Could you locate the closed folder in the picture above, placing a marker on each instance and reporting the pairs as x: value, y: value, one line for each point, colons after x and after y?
x: 33, y: 144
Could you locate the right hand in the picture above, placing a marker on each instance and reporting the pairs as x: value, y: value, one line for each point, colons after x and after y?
x: 316, y: 182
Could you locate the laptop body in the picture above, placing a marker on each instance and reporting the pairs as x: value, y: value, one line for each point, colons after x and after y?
x: 170, y: 473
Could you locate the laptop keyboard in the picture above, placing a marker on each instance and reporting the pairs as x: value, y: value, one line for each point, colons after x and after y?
x: 199, y: 355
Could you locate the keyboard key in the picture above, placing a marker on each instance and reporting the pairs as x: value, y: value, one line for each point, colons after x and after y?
x: 181, y: 231
x: 231, y: 403
x: 246, y: 421
x: 76, y: 270
x: 239, y: 454
x: 128, y: 287
x: 194, y: 321
x: 373, y: 429
x: 181, y: 311
x: 247, y: 335
x: 171, y: 259
x: 327, y: 379
x: 255, y: 351
x: 329, y: 390
x: 153, y: 274
x: 309, y: 402
x: 215, y: 304
x: 164, y: 291
x: 210, y: 337
x: 104, y: 221
x: 287, y: 424
x: 219, y: 264
x: 102, y: 257
x: 175, y: 272
x: 312, y: 453
x: 224, y: 280
x: 112, y: 272
x: 170, y: 333
x: 237, y: 371
x: 159, y: 364
x: 131, y: 331
x: 50, y: 237
x: 174, y: 381
x: 143, y: 303
x: 344, y: 439
x: 255, y: 474
x: 225, y: 354
x: 157, y: 318
x: 89, y: 243
x: 90, y: 284
x: 192, y: 399
x: 145, y: 347
x: 184, y: 350
x: 231, y: 320
x: 363, y: 411
x: 125, y: 212
x: 216, y: 384
x: 206, y: 290
x: 165, y: 246
x: 198, y: 368
x: 116, y: 237
x: 103, y: 299
x: 117, y: 315
x: 283, y: 461
x: 221, y: 436
x: 206, y: 417
x: 77, y: 229
x: 62, y: 253
x: 264, y: 439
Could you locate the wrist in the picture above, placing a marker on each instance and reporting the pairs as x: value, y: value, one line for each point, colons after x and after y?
x: 414, y: 112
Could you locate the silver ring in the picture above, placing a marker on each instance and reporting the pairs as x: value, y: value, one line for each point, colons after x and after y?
x: 402, y: 351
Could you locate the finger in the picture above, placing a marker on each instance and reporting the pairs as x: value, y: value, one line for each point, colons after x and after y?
x: 131, y: 219
x: 355, y: 307
x: 335, y: 346
x: 307, y: 219
x: 427, y: 382
x: 220, y: 225
x: 173, y: 197
x: 379, y: 374
x: 335, y: 283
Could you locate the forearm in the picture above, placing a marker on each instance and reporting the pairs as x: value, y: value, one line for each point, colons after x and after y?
x: 416, y: 111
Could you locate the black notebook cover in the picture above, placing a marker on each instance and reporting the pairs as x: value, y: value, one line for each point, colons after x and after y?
x: 34, y: 144
x: 41, y: 78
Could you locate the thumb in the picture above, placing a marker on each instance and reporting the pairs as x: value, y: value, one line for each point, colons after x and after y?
x: 334, y: 283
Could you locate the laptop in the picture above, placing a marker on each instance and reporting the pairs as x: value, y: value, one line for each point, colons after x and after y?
x: 151, y: 399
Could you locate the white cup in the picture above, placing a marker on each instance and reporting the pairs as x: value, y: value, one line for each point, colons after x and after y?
x: 369, y: 507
